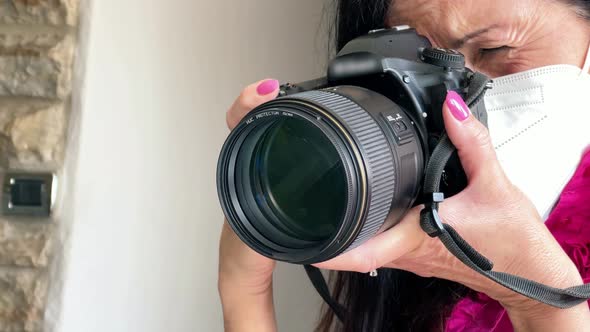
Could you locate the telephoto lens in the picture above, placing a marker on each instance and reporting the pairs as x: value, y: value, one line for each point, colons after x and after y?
x: 306, y: 177
x: 332, y: 162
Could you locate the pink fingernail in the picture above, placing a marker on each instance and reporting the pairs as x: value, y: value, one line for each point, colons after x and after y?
x: 457, y: 106
x: 267, y: 87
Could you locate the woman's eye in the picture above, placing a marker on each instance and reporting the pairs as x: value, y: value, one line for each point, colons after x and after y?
x: 493, y: 50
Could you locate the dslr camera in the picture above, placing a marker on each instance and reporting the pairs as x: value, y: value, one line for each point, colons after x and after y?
x: 334, y: 161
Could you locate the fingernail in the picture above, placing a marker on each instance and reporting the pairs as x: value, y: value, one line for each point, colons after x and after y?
x: 267, y: 87
x: 457, y: 106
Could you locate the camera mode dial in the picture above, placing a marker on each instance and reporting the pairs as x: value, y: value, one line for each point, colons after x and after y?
x: 443, y: 57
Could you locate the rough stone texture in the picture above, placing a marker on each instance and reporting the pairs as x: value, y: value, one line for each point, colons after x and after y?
x: 5, y: 151
x: 31, y: 40
x: 29, y: 75
x: 37, y: 45
x: 25, y: 244
x: 39, y: 137
x: 32, y: 134
x: 50, y: 12
x: 12, y: 109
x: 31, y: 72
x: 22, y: 298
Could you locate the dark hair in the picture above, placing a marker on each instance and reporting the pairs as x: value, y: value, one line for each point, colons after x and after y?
x: 582, y: 7
x: 395, y: 300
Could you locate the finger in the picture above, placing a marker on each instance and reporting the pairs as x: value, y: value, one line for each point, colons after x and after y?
x: 252, y: 96
x: 383, y: 248
x: 470, y: 136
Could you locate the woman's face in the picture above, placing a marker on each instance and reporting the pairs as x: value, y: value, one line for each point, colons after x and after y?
x: 500, y: 37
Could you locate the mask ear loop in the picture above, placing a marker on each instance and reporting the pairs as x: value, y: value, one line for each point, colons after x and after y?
x: 586, y: 66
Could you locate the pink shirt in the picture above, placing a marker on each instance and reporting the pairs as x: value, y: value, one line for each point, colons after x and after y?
x: 569, y: 223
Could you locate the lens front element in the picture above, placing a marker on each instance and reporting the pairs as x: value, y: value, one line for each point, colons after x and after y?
x: 302, y: 179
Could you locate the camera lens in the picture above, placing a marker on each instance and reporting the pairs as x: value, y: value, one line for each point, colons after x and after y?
x: 304, y: 178
x: 300, y: 177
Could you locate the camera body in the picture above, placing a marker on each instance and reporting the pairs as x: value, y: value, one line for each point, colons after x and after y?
x: 377, y: 114
x: 402, y: 66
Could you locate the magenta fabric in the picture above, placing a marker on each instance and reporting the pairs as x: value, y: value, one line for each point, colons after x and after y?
x: 569, y: 222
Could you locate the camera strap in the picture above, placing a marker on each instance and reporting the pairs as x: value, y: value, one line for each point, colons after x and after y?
x: 432, y: 224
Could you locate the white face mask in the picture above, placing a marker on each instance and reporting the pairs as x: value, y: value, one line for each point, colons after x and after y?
x: 539, y: 121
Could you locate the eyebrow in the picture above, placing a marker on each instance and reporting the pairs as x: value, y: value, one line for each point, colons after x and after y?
x: 461, y: 42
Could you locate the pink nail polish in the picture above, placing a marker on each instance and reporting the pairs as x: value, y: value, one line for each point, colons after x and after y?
x: 267, y: 87
x: 457, y: 106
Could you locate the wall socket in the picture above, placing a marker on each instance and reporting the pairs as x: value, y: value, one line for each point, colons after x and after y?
x: 27, y: 194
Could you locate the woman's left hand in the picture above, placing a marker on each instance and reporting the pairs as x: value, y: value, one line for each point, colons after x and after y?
x: 491, y: 214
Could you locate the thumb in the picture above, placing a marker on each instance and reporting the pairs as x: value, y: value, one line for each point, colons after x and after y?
x: 470, y: 136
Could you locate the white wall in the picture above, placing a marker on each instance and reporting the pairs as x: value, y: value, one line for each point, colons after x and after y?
x: 142, y: 248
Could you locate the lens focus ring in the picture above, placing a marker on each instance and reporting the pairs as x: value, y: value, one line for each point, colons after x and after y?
x: 376, y: 155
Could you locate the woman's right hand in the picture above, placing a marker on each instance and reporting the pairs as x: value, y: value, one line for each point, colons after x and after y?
x: 245, y: 277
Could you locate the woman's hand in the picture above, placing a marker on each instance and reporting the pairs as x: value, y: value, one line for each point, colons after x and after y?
x: 245, y: 277
x: 496, y: 219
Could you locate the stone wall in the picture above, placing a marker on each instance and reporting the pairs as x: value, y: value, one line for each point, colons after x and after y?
x: 37, y: 43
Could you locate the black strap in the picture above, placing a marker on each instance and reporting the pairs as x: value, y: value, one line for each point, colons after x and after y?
x: 560, y: 298
x: 320, y: 285
x: 432, y: 224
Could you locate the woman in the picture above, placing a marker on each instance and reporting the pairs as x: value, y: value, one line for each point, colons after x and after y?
x: 437, y: 292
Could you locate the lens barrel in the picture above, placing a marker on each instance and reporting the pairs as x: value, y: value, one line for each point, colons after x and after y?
x: 306, y: 177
